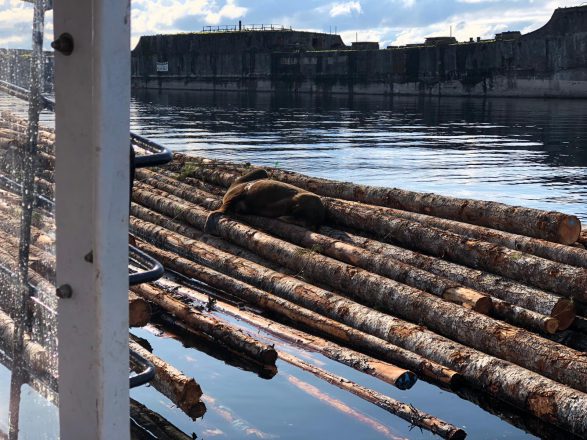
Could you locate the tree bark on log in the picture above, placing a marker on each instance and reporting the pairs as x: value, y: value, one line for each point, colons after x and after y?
x: 183, y: 391
x: 363, y: 258
x: 34, y: 355
x: 548, y: 313
x: 524, y: 296
x: 536, y: 394
x: 563, y: 279
x: 217, y: 329
x: 547, y: 225
x: 150, y: 216
x: 427, y: 369
x: 402, y: 410
x: 393, y: 269
x: 460, y: 324
x: 139, y: 311
x: 178, y: 189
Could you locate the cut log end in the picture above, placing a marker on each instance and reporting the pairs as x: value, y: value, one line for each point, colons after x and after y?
x: 551, y: 326
x: 469, y: 298
x: 569, y: 230
x: 564, y: 312
x: 406, y: 380
x: 457, y: 434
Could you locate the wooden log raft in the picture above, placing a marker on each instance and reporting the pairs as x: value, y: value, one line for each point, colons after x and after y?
x: 446, y: 289
x: 482, y: 333
x: 183, y: 391
x: 236, y: 340
x: 402, y: 410
x: 563, y: 279
x: 427, y: 369
x: 382, y: 265
x: 522, y: 305
x: 524, y: 296
x: 560, y: 278
x: 547, y: 225
x: 34, y: 354
x: 549, y: 400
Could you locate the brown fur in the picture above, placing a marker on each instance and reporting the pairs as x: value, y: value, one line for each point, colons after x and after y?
x: 270, y: 198
x: 257, y: 174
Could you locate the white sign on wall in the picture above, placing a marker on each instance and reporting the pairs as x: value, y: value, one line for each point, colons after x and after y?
x: 163, y: 67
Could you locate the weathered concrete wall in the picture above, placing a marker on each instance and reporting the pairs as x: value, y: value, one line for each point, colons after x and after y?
x: 550, y: 62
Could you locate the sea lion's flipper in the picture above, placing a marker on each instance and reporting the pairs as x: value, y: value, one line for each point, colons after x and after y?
x: 257, y: 174
x: 211, y: 226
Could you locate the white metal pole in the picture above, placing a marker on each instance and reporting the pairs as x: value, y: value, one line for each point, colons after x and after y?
x: 92, y: 92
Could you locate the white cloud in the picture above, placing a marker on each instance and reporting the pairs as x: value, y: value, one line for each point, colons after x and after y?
x: 161, y: 16
x: 347, y: 8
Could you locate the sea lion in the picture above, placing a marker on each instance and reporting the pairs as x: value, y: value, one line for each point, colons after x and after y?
x: 270, y: 198
x: 257, y: 174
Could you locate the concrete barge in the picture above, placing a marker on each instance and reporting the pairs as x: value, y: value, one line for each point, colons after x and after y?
x: 549, y: 62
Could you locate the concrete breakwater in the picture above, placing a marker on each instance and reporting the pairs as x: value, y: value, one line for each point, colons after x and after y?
x: 549, y: 62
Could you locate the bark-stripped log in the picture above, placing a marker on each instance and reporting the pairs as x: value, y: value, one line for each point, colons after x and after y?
x: 182, y: 390
x: 559, y: 311
x: 34, y: 355
x: 527, y: 297
x: 183, y: 229
x: 563, y: 279
x: 446, y: 289
x: 139, y: 311
x: 209, y: 325
x: 402, y: 410
x: 458, y: 323
x: 427, y: 369
x: 548, y: 225
x: 536, y: 394
x: 420, y: 279
x: 178, y: 189
x: 394, y: 269
x: 148, y: 425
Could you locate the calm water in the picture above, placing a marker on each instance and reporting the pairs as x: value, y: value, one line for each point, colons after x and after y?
x: 528, y: 152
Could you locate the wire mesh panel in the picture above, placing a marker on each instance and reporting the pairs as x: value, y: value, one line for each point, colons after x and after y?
x: 28, y: 323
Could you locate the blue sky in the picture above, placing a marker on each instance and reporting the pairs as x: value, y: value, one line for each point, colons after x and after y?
x: 386, y: 21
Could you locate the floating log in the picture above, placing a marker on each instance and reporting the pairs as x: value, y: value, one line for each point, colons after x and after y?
x: 455, y: 322
x: 549, y: 400
x: 363, y: 258
x: 398, y: 377
x: 139, y: 311
x: 559, y: 311
x: 405, y: 274
x: 563, y: 279
x: 402, y: 410
x: 524, y: 296
x: 148, y: 425
x: 547, y: 225
x: 429, y: 370
x: 222, y: 332
x: 34, y: 355
x: 393, y: 269
x: 183, y: 391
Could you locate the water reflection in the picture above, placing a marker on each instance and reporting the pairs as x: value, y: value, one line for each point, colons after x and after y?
x: 530, y: 152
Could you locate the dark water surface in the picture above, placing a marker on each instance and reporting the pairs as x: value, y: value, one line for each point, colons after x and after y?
x: 528, y: 152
